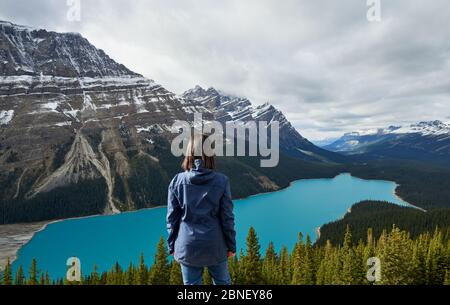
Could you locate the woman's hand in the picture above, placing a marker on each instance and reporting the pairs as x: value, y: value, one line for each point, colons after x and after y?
x: 231, y: 254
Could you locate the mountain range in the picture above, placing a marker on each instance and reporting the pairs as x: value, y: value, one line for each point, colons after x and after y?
x: 81, y: 134
x: 428, y: 141
x: 226, y: 107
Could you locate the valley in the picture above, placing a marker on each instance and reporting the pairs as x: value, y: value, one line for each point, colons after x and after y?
x: 85, y: 143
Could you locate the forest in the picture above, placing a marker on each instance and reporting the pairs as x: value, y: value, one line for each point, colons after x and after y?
x: 403, y: 260
x: 380, y: 216
x: 419, y: 183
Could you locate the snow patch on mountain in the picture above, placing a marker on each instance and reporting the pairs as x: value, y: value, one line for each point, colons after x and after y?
x: 140, y: 104
x: 430, y: 128
x: 425, y: 128
x: 6, y: 116
x: 426, y: 136
x: 88, y: 104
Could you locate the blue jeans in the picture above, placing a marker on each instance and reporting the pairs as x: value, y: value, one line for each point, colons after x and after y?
x: 194, y: 275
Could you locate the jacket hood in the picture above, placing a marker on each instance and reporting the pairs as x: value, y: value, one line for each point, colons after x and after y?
x: 199, y: 174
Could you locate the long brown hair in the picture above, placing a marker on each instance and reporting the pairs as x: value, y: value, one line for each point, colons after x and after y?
x: 195, y: 151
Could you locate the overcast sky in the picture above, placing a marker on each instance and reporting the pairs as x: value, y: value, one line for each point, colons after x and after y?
x: 321, y: 62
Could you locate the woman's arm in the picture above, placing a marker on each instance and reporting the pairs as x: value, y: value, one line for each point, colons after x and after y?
x: 173, y: 218
x: 227, y: 219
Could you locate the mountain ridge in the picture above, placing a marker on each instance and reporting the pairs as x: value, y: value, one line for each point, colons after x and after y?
x: 425, y: 140
x: 226, y: 107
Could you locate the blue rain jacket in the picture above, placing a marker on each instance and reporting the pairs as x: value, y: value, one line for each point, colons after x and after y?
x: 200, y: 219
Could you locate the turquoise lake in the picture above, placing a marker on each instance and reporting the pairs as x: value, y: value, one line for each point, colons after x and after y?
x: 278, y: 216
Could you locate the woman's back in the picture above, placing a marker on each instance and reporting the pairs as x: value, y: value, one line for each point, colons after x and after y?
x: 200, y: 217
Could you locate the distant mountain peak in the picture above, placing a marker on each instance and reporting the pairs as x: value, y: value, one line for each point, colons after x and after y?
x: 426, y: 128
x: 212, y: 90
x: 422, y: 140
x: 435, y: 123
x: 228, y: 107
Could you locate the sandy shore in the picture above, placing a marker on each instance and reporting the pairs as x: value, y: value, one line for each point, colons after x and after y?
x: 14, y: 236
x: 395, y: 192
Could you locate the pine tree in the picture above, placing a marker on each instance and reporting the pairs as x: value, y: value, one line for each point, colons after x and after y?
x: 103, y: 278
x: 269, y: 266
x: 33, y: 274
x: 94, y: 278
x: 175, y: 274
x: 159, y: 272
x: 360, y: 264
x: 142, y: 274
x: 7, y: 273
x: 396, y: 259
x: 298, y: 254
x: 435, y: 262
x: 20, y: 277
x: 351, y: 264
x: 325, y: 271
x: 42, y: 279
x: 252, y: 260
x: 284, y: 267
x: 115, y: 276
x: 336, y: 267
x: 347, y: 258
x: 130, y: 275
x: 418, y: 264
x: 234, y: 266
x: 307, y: 268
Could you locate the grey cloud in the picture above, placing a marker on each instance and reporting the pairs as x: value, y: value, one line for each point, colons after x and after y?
x: 321, y: 62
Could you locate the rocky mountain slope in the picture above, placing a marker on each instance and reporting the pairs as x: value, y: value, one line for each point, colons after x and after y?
x: 420, y: 141
x: 81, y: 134
x: 28, y: 51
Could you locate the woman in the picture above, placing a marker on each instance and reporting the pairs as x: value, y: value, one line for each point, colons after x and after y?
x: 200, y: 219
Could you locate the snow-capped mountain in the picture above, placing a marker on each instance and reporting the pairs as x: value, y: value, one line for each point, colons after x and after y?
x: 226, y: 107
x: 423, y: 140
x: 28, y: 51
x: 431, y: 128
x: 75, y: 126
x: 81, y: 134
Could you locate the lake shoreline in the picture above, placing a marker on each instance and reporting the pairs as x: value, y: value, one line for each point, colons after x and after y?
x: 394, y: 192
x: 27, y: 231
x: 14, y: 236
x: 12, y: 249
